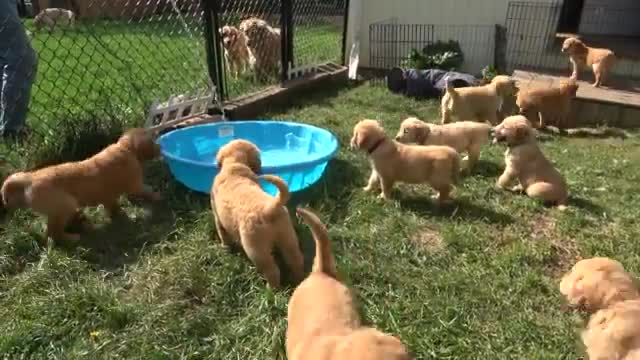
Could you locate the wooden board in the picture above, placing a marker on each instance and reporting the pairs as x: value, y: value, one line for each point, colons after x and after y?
x: 626, y: 94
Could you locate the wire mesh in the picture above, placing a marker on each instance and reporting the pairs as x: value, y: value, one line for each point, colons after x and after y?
x: 318, y: 31
x: 110, y: 60
x: 251, y: 35
x: 391, y: 43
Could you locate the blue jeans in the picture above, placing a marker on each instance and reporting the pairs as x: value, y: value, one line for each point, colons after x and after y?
x: 18, y: 66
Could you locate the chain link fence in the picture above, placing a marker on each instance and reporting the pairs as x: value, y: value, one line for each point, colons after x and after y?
x: 102, y: 63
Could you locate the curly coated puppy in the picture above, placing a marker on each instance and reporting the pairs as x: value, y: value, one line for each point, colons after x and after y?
x: 245, y: 214
x: 601, y: 61
x: 526, y: 162
x: 602, y: 287
x: 392, y: 161
x: 477, y: 103
x: 237, y: 54
x: 597, y: 283
x: 60, y: 191
x: 323, y: 323
x: 264, y: 42
x: 464, y: 136
x: 549, y: 105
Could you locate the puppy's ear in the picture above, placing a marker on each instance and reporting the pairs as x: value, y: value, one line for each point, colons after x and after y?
x: 253, y: 161
x: 521, y: 132
x: 421, y: 133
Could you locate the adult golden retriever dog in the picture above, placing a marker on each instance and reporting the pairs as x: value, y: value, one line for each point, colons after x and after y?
x: 245, y: 214
x: 322, y: 320
x: 264, y: 42
x: 60, y: 191
x: 237, y: 54
x: 392, y: 161
x: 600, y: 61
x: 527, y: 164
x: 476, y: 103
x: 464, y: 136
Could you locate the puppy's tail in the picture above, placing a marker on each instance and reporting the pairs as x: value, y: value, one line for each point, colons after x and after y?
x: 323, y: 262
x: 283, y: 192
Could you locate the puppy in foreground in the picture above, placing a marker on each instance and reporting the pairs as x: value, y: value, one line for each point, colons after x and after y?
x: 60, y: 191
x: 603, y: 288
x: 245, y: 214
x: 53, y: 17
x: 464, y: 136
x: 526, y: 163
x: 392, y: 161
x: 323, y: 323
x: 237, y: 54
x: 548, y: 105
x: 600, y: 61
x: 477, y: 103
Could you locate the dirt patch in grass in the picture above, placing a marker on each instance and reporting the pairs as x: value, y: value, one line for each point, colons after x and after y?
x: 429, y: 240
x: 564, y: 250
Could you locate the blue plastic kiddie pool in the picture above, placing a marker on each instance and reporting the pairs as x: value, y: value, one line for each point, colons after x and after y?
x: 296, y: 152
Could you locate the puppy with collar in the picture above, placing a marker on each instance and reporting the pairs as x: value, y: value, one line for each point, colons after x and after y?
x: 603, y: 289
x: 526, y: 163
x: 600, y: 61
x: 59, y: 192
x: 245, y: 214
x: 464, y: 136
x: 392, y: 161
x: 322, y: 321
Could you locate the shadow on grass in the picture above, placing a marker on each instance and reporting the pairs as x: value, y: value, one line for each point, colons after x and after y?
x: 485, y: 168
x: 586, y: 205
x: 459, y: 208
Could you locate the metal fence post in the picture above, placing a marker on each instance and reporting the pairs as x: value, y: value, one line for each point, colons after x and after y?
x: 286, y: 36
x: 215, y: 55
x: 345, y: 27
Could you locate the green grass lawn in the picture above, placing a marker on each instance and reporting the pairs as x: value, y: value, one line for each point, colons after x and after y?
x: 476, y: 280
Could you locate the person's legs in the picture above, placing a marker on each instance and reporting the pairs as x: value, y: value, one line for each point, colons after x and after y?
x: 18, y: 65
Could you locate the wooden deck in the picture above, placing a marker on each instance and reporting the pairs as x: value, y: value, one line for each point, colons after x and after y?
x: 618, y: 105
x: 624, y: 94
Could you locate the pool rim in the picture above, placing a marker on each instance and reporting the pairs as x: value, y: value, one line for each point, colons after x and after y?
x: 265, y: 169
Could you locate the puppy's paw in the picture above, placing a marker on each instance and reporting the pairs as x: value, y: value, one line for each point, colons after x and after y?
x: 517, y: 188
x: 367, y: 188
x: 499, y: 187
x: 384, y: 197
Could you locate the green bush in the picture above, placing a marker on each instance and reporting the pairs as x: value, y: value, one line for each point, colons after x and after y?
x: 439, y: 55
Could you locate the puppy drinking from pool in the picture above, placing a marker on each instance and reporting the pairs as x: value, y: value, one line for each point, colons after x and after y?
x: 245, y: 214
x: 526, y: 163
x: 322, y: 321
x: 60, y: 191
x: 464, y: 136
x: 392, y: 161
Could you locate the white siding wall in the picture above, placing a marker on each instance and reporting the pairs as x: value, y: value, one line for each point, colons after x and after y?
x: 437, y: 12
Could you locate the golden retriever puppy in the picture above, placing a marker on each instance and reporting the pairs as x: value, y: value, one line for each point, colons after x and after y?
x: 236, y: 52
x: 601, y: 61
x: 245, y: 214
x: 597, y: 283
x: 60, y: 191
x: 614, y: 333
x: 476, y: 103
x: 464, y: 136
x: 53, y: 17
x: 548, y: 105
x: 526, y: 162
x: 264, y: 42
x: 392, y: 161
x: 323, y: 323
